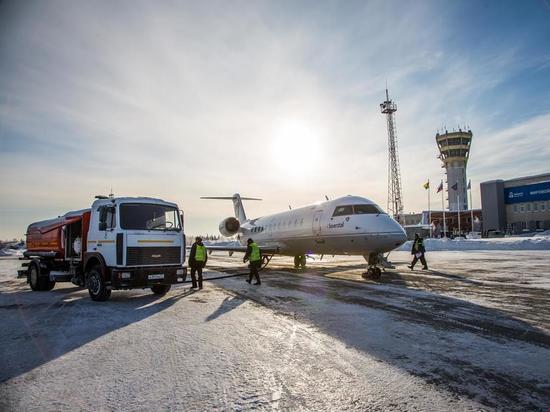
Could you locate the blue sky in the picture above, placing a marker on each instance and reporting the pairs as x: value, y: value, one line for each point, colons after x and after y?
x: 271, y: 99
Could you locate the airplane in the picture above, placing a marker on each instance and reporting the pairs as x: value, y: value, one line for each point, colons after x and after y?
x: 349, y: 225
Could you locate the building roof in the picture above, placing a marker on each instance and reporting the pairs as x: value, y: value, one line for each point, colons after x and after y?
x: 542, y: 177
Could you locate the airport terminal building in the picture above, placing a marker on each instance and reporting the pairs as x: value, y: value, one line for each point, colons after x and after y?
x: 516, y: 206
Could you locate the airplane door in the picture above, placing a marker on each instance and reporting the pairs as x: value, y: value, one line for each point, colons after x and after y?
x: 317, y: 222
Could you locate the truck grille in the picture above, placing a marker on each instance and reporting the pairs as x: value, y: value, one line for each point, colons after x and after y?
x: 137, y: 256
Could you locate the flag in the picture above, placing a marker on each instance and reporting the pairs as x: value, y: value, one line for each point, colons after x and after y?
x: 427, y: 185
x: 440, y: 187
x: 469, y: 184
x: 455, y: 186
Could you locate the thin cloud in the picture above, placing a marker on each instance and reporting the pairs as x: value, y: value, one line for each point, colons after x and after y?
x: 182, y: 100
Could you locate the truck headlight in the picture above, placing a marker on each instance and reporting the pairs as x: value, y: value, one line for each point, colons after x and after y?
x: 179, y: 272
x: 125, y: 275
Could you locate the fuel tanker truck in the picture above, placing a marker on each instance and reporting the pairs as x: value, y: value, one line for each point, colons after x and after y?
x: 118, y: 243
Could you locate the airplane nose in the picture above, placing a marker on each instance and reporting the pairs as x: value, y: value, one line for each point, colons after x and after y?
x: 400, y: 234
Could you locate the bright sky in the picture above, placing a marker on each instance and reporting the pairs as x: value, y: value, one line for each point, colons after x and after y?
x: 278, y: 100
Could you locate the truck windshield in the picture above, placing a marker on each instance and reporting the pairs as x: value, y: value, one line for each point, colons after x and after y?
x: 147, y: 216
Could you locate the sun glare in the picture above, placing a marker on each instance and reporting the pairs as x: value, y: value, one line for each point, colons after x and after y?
x: 295, y: 147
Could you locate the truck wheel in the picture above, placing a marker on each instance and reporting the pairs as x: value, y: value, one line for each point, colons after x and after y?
x: 50, y: 285
x: 160, y: 289
x: 96, y: 285
x: 37, y: 282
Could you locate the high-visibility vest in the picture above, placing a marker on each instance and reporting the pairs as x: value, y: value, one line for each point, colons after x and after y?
x: 255, y: 254
x: 200, y: 253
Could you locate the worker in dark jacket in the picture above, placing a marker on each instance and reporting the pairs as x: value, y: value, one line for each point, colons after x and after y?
x: 254, y: 255
x: 418, y: 252
x: 197, y: 261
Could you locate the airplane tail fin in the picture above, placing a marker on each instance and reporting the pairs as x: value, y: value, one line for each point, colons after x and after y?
x: 237, y: 204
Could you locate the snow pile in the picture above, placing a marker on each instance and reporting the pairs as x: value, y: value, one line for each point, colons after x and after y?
x: 9, y: 252
x: 537, y: 242
x: 228, y: 243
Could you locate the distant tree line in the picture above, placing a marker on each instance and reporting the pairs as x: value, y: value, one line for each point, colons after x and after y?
x: 189, y: 239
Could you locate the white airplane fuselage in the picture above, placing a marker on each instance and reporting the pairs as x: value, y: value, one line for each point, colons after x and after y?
x: 349, y: 225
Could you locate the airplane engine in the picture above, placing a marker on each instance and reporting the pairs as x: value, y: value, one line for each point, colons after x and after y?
x: 229, y: 226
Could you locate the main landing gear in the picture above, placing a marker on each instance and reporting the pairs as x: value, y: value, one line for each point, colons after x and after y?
x: 265, y: 261
x: 300, y: 261
x: 374, y: 260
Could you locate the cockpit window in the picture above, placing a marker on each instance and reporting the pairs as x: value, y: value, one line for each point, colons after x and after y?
x: 357, y: 210
x: 366, y: 210
x: 343, y: 211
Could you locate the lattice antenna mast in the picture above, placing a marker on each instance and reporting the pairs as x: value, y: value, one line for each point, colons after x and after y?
x: 395, y: 200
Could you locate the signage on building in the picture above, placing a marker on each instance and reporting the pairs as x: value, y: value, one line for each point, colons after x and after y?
x: 527, y: 193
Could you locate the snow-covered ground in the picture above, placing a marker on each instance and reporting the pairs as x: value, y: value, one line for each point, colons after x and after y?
x: 472, y: 333
x: 534, y: 242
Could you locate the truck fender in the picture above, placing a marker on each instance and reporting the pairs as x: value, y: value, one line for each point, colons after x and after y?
x: 91, y: 259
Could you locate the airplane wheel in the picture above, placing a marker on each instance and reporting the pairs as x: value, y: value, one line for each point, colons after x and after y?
x: 303, y: 261
x: 372, y: 273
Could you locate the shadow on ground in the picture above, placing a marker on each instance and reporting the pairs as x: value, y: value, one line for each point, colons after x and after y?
x: 38, y: 327
x: 442, y: 339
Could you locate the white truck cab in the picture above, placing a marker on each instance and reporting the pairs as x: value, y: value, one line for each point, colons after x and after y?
x: 140, y: 241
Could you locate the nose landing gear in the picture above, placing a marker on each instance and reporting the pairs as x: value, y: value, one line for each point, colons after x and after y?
x: 373, y: 261
x: 373, y: 272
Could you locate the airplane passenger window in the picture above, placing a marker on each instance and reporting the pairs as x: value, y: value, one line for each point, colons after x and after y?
x: 343, y: 211
x: 366, y: 209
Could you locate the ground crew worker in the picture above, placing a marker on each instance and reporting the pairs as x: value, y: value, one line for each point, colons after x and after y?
x: 254, y: 255
x: 197, y: 260
x: 418, y: 252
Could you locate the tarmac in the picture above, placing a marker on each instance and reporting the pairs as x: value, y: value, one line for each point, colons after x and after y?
x: 471, y: 333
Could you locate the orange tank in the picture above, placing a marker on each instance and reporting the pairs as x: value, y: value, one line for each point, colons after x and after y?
x: 48, y: 236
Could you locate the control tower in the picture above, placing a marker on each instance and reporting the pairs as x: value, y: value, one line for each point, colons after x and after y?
x: 454, y: 149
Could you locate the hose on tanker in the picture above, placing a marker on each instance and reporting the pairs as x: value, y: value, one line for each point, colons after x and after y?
x: 215, y: 278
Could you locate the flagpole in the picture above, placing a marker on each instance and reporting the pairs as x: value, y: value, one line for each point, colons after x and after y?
x: 458, y: 210
x: 429, y: 210
x: 471, y: 206
x: 443, y: 207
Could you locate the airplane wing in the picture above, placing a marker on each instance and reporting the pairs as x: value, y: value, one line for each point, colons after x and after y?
x: 265, y: 250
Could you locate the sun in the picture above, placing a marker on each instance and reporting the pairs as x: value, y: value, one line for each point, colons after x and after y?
x: 295, y: 147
